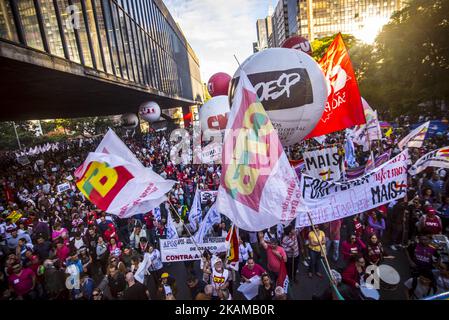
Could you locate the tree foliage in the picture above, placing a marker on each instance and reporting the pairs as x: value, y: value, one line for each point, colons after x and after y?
x: 54, y: 130
x: 408, y: 65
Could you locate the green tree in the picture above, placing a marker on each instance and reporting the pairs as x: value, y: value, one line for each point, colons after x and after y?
x: 411, y: 59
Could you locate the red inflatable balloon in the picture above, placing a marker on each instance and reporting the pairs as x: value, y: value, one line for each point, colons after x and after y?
x: 298, y: 43
x: 218, y: 84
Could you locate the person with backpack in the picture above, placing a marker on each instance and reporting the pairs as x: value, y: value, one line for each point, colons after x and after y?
x: 420, y: 285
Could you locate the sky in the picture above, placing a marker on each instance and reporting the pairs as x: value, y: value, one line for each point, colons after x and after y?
x: 218, y: 29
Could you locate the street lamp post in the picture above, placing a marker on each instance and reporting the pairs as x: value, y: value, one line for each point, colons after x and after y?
x: 17, y: 136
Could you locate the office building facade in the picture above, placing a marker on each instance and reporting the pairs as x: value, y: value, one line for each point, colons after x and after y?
x: 136, y: 42
x: 321, y: 18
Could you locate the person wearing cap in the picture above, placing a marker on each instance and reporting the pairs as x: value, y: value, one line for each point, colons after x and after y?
x: 220, y: 277
x: 430, y: 223
x: 167, y: 287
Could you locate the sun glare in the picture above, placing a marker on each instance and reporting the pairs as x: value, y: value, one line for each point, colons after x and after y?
x: 371, y: 29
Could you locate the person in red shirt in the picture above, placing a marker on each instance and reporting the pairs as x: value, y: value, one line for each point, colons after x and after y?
x: 430, y: 223
x: 251, y: 269
x: 275, y: 256
x: 110, y: 233
x: 62, y: 252
x: 352, y: 247
x: 22, y: 282
x: 354, y: 272
x: 357, y: 226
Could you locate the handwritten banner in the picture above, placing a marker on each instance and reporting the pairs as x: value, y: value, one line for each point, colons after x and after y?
x: 325, y: 164
x: 328, y: 201
x: 184, y: 249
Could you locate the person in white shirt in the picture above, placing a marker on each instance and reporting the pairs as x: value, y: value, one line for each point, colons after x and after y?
x: 245, y: 252
x: 219, y: 277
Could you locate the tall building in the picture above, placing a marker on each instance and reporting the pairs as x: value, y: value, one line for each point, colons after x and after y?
x: 361, y: 18
x: 285, y: 21
x: 292, y: 13
x: 262, y: 34
x: 264, y: 28
x: 117, y: 53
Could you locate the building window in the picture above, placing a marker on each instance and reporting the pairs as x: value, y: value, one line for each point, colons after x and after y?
x: 51, y: 28
x: 107, y: 34
x: 94, y: 35
x: 69, y: 34
x: 30, y: 24
x: 7, y: 26
x: 83, y: 36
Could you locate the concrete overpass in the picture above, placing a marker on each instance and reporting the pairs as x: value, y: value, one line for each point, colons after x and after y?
x: 38, y: 84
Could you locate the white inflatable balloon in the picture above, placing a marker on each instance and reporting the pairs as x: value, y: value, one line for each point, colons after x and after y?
x: 150, y: 111
x: 213, y: 114
x: 129, y: 121
x: 292, y: 88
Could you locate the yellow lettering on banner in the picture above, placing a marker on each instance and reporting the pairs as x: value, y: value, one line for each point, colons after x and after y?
x: 100, y: 177
x: 243, y: 171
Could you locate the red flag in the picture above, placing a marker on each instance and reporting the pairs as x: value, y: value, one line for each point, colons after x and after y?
x: 344, y: 107
x: 282, y: 280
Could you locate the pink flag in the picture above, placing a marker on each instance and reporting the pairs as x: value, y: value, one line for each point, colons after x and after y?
x: 259, y: 188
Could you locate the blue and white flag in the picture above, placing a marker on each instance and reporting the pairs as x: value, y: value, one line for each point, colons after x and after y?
x: 171, y: 229
x: 157, y: 213
x: 196, y: 215
x: 212, y: 217
x: 350, y: 151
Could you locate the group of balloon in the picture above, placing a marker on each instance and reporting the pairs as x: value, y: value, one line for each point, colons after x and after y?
x: 289, y: 83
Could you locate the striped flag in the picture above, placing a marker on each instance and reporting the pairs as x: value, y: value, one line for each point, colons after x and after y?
x: 232, y: 241
x: 415, y: 139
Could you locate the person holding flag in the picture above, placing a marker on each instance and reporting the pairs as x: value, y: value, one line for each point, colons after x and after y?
x: 276, y: 257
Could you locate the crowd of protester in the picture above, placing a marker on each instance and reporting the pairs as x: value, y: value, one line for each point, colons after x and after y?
x: 46, y: 235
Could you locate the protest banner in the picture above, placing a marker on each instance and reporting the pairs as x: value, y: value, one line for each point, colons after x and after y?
x: 211, y: 153
x: 437, y: 158
x: 328, y: 201
x: 63, y: 187
x: 208, y: 195
x: 325, y: 164
x: 184, y: 249
x: 23, y: 160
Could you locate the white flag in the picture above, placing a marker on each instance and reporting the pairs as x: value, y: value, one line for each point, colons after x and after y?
x: 259, y: 188
x: 196, y: 214
x: 112, y: 144
x: 437, y: 158
x: 415, y: 139
x: 171, y: 229
x: 119, y: 187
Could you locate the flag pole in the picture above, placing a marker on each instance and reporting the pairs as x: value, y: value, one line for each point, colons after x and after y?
x: 185, y: 227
